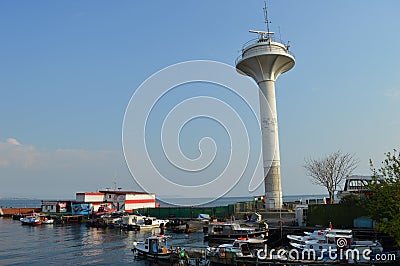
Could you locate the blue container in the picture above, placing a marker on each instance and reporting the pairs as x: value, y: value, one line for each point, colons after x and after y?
x: 363, y: 222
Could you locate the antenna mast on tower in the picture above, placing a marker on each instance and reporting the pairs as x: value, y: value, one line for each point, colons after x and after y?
x: 266, y: 21
x: 264, y: 35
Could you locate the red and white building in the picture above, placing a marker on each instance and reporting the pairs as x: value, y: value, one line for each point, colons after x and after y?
x: 118, y: 200
x: 96, y: 199
x: 130, y: 200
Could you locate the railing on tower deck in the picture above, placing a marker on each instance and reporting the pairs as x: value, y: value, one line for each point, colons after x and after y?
x: 264, y: 40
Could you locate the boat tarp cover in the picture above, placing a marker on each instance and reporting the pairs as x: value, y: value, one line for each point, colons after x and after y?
x: 204, y: 216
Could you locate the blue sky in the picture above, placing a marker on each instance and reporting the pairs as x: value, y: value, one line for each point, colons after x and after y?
x: 68, y: 70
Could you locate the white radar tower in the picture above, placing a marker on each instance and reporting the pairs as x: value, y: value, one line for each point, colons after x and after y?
x: 264, y: 60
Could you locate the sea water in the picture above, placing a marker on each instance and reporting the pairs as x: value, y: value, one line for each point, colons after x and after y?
x: 75, y: 244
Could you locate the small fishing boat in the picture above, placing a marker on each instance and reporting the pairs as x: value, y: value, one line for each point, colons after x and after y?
x: 149, y: 223
x: 140, y: 222
x: 226, y: 232
x: 47, y: 221
x: 129, y: 220
x: 31, y: 220
x: 154, y: 247
x: 227, y: 254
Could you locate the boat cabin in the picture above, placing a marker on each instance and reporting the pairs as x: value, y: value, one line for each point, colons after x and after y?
x: 153, y: 247
x: 156, y: 245
x: 229, y: 228
x: 221, y: 228
x: 356, y: 184
x: 132, y: 219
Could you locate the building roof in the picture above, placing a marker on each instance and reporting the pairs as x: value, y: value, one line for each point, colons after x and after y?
x: 359, y: 177
x: 122, y: 192
x: 56, y: 201
x: 90, y: 193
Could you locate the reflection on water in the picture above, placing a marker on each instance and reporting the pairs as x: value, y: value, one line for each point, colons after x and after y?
x: 74, y: 244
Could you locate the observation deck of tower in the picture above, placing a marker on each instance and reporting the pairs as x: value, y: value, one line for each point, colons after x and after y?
x: 264, y: 59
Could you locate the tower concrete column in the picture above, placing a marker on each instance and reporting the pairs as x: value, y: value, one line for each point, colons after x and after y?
x: 270, y: 145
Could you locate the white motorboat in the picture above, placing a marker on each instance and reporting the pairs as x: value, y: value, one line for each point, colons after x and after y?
x: 149, y: 223
x: 330, y: 241
x: 33, y: 219
x: 318, y: 235
x: 228, y: 232
x: 139, y: 222
x: 47, y: 221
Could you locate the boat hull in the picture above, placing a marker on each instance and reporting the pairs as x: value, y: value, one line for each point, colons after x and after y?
x: 31, y: 223
x: 226, y: 238
x: 144, y: 227
x: 149, y: 255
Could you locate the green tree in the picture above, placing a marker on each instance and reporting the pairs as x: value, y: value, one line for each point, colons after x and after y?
x: 350, y: 200
x: 383, y: 205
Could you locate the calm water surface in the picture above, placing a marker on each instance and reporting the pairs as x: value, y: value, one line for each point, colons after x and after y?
x: 74, y: 244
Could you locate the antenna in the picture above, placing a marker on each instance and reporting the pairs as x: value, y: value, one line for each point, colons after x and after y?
x: 279, y: 31
x: 264, y: 35
x: 266, y: 21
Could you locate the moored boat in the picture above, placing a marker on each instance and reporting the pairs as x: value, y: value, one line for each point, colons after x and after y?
x: 228, y: 232
x: 242, y: 248
x: 31, y: 220
x: 328, y: 243
x: 149, y: 223
x: 154, y: 247
x: 324, y: 243
x: 318, y: 235
x: 47, y: 221
x: 139, y: 222
x: 129, y: 220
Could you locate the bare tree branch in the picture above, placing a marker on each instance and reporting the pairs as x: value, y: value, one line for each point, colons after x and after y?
x: 331, y: 170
